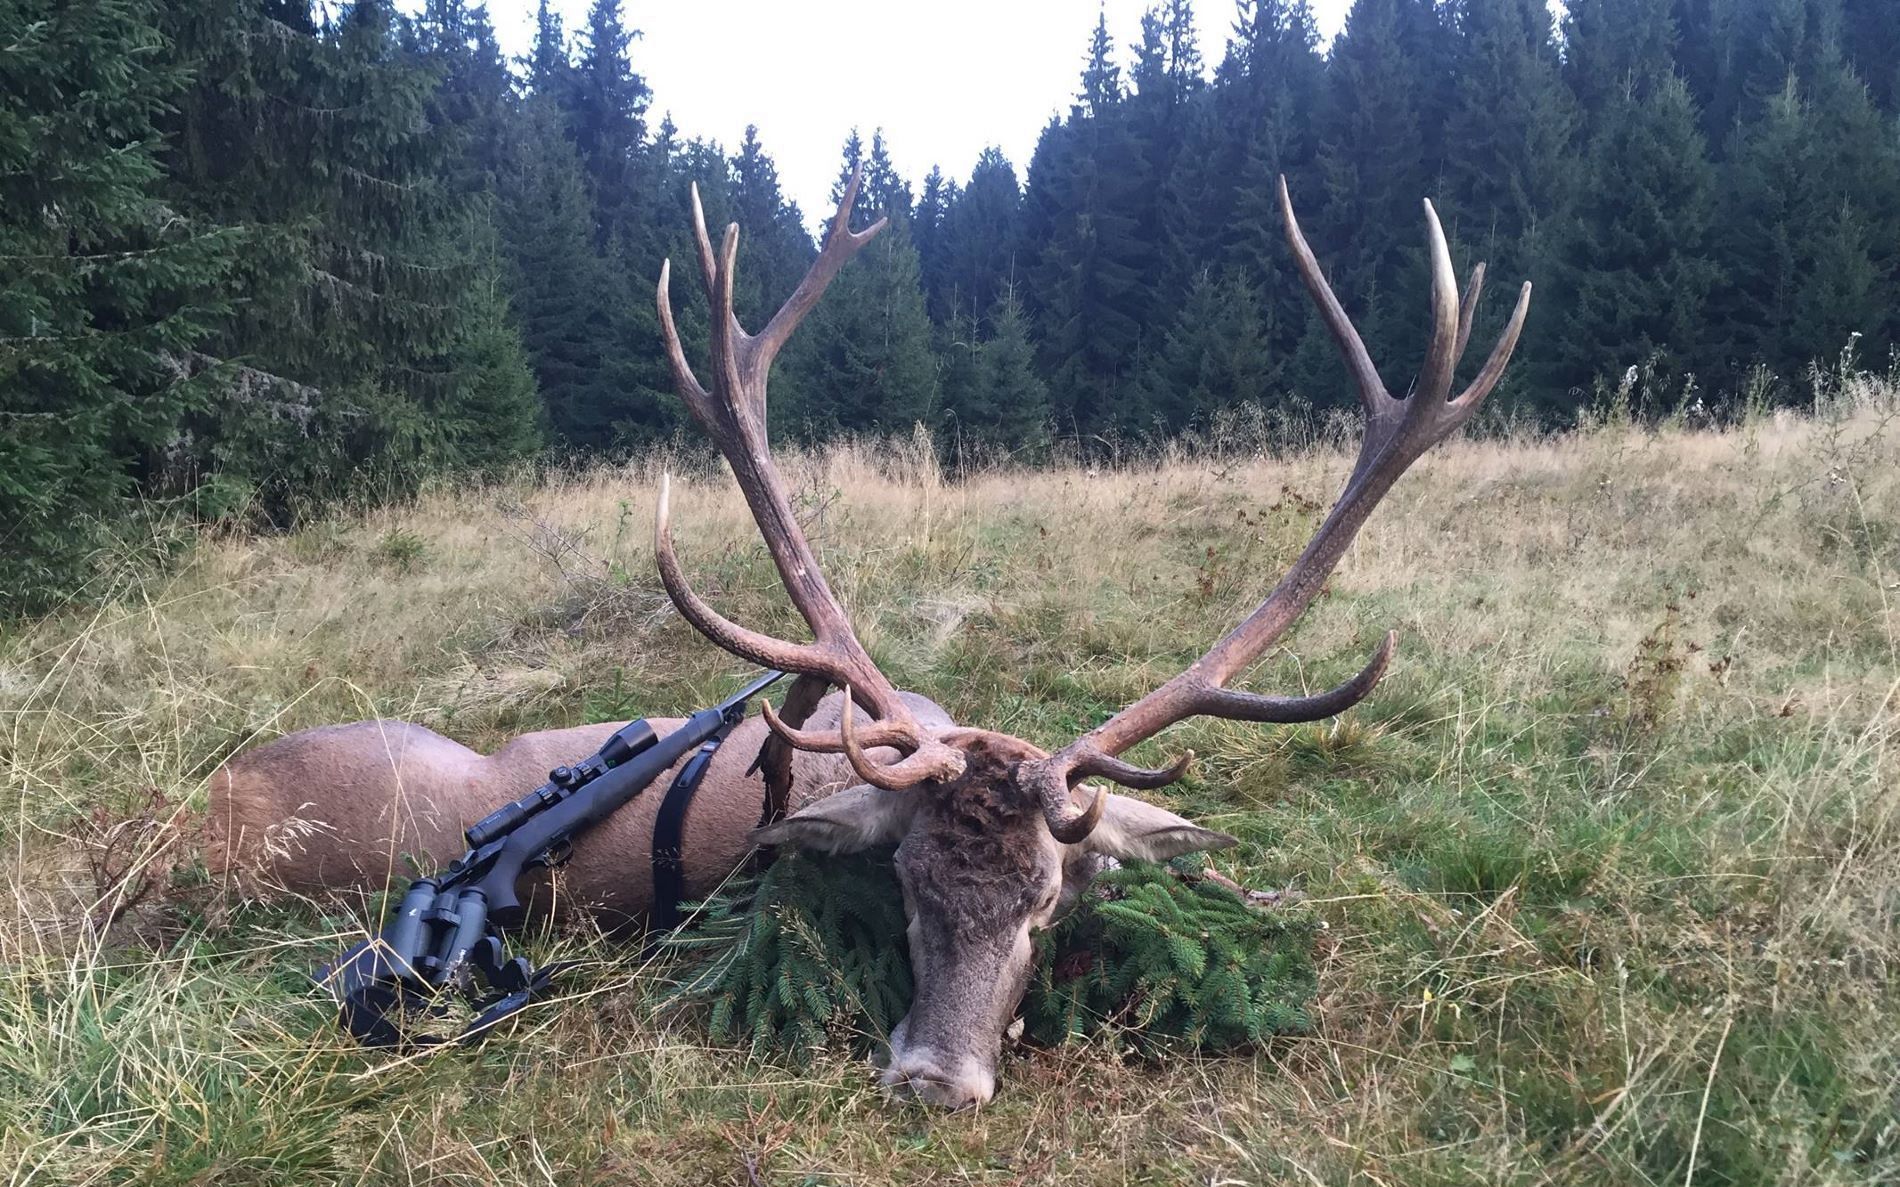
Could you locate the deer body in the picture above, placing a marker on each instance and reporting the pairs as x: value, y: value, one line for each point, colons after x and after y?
x: 373, y: 804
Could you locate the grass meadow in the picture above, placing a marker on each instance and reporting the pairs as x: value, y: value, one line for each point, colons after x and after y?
x: 1610, y: 863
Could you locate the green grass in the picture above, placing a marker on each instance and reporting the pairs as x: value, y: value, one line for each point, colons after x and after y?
x: 1611, y: 890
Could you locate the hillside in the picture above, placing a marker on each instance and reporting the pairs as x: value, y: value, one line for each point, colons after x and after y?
x: 1610, y: 864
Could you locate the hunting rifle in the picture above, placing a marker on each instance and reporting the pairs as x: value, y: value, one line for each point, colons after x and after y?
x: 444, y: 932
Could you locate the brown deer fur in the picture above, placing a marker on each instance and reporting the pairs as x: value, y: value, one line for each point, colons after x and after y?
x: 375, y: 803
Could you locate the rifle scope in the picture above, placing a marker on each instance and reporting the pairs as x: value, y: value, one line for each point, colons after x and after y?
x: 628, y: 742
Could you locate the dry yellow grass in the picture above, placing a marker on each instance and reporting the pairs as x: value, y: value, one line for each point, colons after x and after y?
x: 1611, y: 864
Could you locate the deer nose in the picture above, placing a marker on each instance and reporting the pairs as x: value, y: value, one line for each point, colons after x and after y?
x: 964, y: 1088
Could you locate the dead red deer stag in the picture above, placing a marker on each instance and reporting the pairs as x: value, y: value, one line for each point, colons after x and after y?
x: 988, y: 829
x: 993, y: 833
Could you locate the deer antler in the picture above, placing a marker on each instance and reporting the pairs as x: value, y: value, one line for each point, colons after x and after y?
x: 1398, y: 431
x: 732, y: 413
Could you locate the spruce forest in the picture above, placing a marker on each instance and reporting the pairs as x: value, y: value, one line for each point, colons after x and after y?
x: 257, y: 256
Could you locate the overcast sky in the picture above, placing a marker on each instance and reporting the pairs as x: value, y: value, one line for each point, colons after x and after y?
x: 942, y: 80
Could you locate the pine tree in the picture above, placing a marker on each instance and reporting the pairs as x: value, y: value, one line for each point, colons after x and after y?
x: 555, y: 278
x: 960, y: 380
x: 980, y: 235
x: 1633, y: 274
x: 777, y: 250
x: 863, y: 362
x: 1162, y: 114
x: 1858, y: 149
x: 992, y: 396
x: 1376, y: 159
x: 549, y: 63
x: 319, y: 139
x: 475, y: 96
x: 104, y: 291
x: 1018, y: 398
x: 495, y: 417
x: 1870, y: 33
x: 606, y: 103
x: 929, y: 228
x: 1613, y: 48
x: 1265, y: 97
x: 1760, y: 239
x: 851, y: 166
x: 885, y: 192
x: 493, y: 414
x: 1215, y: 357
x: 1090, y: 258
x: 1808, y: 191
x: 1509, y: 171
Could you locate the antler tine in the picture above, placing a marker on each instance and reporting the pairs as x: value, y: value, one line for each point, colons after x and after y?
x: 841, y: 243
x: 1468, y: 310
x: 1397, y: 433
x: 729, y: 341
x: 1434, y: 378
x: 760, y: 649
x: 1468, y: 401
x: 1372, y: 391
x: 684, y: 380
x: 702, y: 242
x: 1215, y: 701
x: 906, y: 772
x: 877, y: 733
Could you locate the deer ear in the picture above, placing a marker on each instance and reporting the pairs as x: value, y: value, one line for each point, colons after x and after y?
x: 845, y: 821
x: 1131, y: 829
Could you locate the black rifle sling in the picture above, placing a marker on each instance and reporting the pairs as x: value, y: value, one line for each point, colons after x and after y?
x: 669, y: 871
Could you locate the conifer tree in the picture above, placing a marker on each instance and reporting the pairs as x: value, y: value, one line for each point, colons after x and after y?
x: 104, y: 291
x: 1613, y: 48
x: 496, y: 418
x: 992, y: 395
x: 606, y: 104
x: 1760, y: 238
x: 864, y: 362
x: 474, y: 97
x: 980, y: 235
x: 1162, y: 109
x: 886, y: 193
x: 353, y: 312
x: 777, y: 250
x: 1214, y: 357
x: 1266, y: 95
x: 1509, y: 170
x: 548, y: 62
x: 929, y: 227
x: 851, y: 166
x: 960, y: 380
x: 1809, y: 185
x: 1633, y: 275
x: 558, y: 282
x: 1870, y: 34
x: 1374, y: 163
x: 1018, y: 398
x: 1859, y: 151
x: 1090, y: 258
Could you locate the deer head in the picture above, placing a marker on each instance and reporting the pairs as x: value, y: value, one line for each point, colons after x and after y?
x: 995, y: 834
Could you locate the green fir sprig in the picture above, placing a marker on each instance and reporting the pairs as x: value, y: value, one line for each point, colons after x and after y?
x: 812, y: 952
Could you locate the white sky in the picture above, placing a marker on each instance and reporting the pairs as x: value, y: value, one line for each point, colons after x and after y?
x: 943, y: 81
